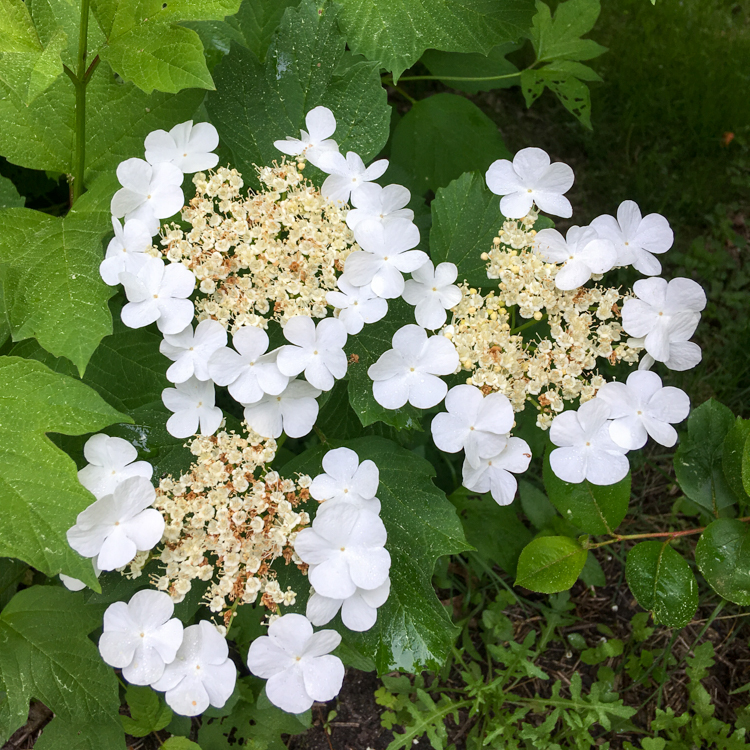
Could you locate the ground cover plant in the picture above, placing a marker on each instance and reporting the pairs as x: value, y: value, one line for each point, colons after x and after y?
x: 335, y: 414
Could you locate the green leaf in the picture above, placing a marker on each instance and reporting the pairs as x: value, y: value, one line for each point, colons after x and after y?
x: 465, y: 219
x: 448, y: 66
x: 365, y: 349
x: 306, y: 66
x: 147, y: 712
x: 538, y: 509
x: 559, y: 38
x: 45, y: 653
x: 413, y: 629
x: 63, y: 735
x: 661, y: 581
x: 735, y: 448
x: 9, y: 197
x: 40, y: 492
x: 723, y: 556
x: 595, y: 509
x: 146, y: 44
x: 397, y: 32
x: 698, y: 459
x: 592, y: 573
x: 419, y: 141
x: 180, y: 743
x: 258, y: 20
x: 549, y: 564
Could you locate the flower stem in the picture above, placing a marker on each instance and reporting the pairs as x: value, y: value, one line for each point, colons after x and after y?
x: 455, y: 78
x: 80, y: 80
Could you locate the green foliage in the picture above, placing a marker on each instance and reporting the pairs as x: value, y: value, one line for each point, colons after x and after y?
x: 723, y: 556
x: 9, y: 197
x: 457, y: 69
x: 45, y: 653
x: 735, y: 459
x: 550, y: 563
x: 180, y: 743
x: 418, y: 144
x: 257, y: 21
x: 147, y: 712
x: 36, y: 401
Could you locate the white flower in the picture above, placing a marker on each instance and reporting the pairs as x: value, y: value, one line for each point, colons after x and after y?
x: 119, y: 525
x: 158, y: 293
x: 251, y: 373
x: 293, y: 411
x: 379, y: 204
x: 202, y: 673
x: 312, y: 143
x: 356, y: 305
x: 73, y: 584
x: 190, y: 351
x: 582, y: 253
x: 346, y: 480
x: 297, y: 663
x: 110, y: 461
x: 642, y: 407
x: 409, y: 371
x: 386, y: 254
x: 319, y: 351
x: 531, y: 179
x: 493, y: 474
x: 148, y: 192
x: 193, y: 404
x: 587, y: 451
x: 187, y: 146
x: 126, y: 250
x: 636, y: 238
x: 665, y: 316
x: 346, y: 174
x: 475, y: 423
x: 139, y: 637
x: 433, y: 292
x: 345, y: 546
x: 359, y: 612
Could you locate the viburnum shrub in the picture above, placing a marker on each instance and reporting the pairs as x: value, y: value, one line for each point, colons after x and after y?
x: 279, y: 347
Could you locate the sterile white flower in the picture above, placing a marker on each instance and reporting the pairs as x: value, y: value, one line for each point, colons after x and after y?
x: 126, y: 250
x: 356, y: 305
x: 201, y: 675
x: 249, y: 372
x: 641, y: 407
x: 531, y: 179
x: 158, y: 293
x: 346, y: 480
x: 386, y: 254
x: 346, y: 174
x: 119, y: 525
x: 346, y: 548
x: 318, y: 350
x: 636, y: 238
x: 493, y: 474
x: 475, y: 423
x: 379, y: 204
x: 665, y: 316
x: 297, y: 663
x: 148, y: 192
x: 409, y: 371
x: 110, y: 461
x: 359, y: 612
x: 193, y: 404
x: 293, y: 411
x: 190, y: 351
x: 73, y: 584
x: 141, y: 637
x: 187, y: 146
x: 313, y: 142
x: 433, y: 292
x: 586, y: 449
x: 582, y: 253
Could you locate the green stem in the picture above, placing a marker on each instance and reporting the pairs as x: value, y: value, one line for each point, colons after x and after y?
x: 523, y: 327
x: 80, y: 80
x: 456, y: 78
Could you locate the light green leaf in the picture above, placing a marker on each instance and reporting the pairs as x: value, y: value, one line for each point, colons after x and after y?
x: 465, y: 219
x: 448, y: 66
x: 735, y: 448
x: 45, y: 653
x: 40, y: 492
x: 723, y: 556
x: 549, y: 564
x: 397, y: 32
x: 257, y: 21
x: 180, y: 743
x: 306, y: 66
x: 419, y: 141
x: 698, y: 459
x: 661, y: 581
x: 559, y: 38
x: 17, y: 32
x: 595, y: 509
x: 147, y: 712
x: 9, y: 196
x: 412, y: 630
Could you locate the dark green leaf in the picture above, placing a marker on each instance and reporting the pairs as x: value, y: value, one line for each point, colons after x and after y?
x: 592, y: 573
x: 147, y: 712
x: 735, y: 446
x: 258, y: 20
x: 723, y: 556
x: 451, y: 65
x: 538, y: 509
x: 549, y: 564
x: 9, y: 197
x: 661, y: 581
x: 11, y: 573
